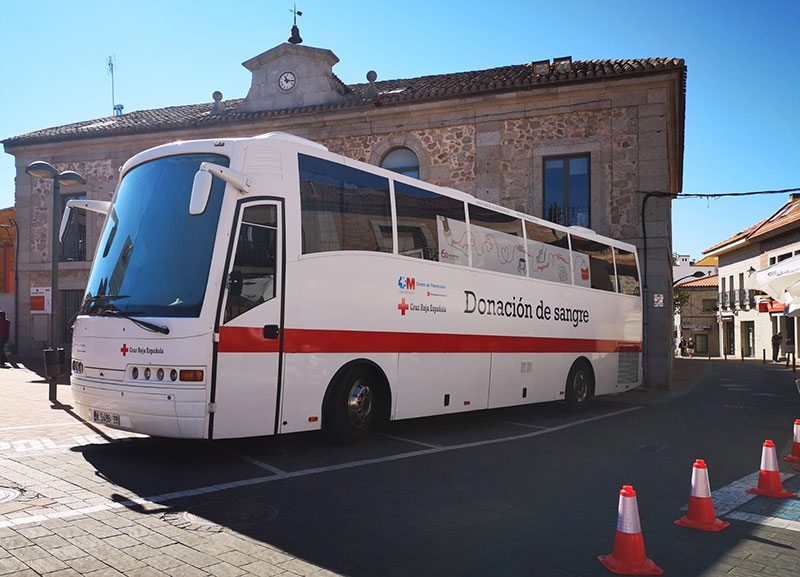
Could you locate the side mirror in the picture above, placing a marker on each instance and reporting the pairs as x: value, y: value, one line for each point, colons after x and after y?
x: 201, y: 190
x: 64, y: 221
x: 98, y: 206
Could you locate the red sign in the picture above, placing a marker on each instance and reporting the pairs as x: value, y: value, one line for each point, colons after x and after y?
x: 775, y: 307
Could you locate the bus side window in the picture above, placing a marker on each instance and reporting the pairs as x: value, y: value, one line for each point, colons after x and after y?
x: 547, y: 253
x: 424, y: 219
x: 497, y: 242
x: 627, y: 273
x: 342, y: 208
x: 593, y: 264
x: 252, y: 279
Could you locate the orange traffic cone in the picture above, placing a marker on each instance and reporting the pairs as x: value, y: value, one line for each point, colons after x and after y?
x: 628, y: 557
x: 795, y: 456
x: 701, y: 508
x: 769, y: 478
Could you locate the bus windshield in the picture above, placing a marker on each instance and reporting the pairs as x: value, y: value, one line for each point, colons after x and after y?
x: 153, y: 257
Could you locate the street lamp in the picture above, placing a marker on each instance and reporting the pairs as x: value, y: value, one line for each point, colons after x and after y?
x: 42, y: 169
x: 695, y: 274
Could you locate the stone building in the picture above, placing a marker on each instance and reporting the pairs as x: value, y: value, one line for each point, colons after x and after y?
x: 580, y: 142
x: 697, y: 314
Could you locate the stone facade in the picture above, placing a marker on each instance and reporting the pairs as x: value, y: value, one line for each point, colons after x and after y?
x: 491, y: 145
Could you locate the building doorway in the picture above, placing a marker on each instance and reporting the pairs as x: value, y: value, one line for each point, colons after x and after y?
x: 728, y: 338
x: 701, y: 345
x: 789, y: 341
x: 748, y: 329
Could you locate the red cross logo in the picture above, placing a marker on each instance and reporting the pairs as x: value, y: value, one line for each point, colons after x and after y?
x: 124, y: 350
x: 402, y: 307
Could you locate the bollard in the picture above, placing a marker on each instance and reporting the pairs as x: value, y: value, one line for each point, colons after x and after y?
x: 742, y: 355
x: 54, y: 361
x: 763, y: 356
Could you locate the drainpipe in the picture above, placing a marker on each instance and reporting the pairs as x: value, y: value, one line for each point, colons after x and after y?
x: 645, y: 291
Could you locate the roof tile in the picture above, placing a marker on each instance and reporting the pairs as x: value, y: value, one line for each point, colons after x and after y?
x: 476, y: 82
x: 711, y: 280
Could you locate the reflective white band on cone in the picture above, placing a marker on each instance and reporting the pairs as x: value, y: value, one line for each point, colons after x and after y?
x: 769, y: 458
x: 700, y: 484
x: 628, y: 511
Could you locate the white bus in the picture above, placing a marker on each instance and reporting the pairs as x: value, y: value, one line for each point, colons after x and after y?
x: 258, y: 286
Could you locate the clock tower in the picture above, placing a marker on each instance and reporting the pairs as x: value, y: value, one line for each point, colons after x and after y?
x: 292, y: 76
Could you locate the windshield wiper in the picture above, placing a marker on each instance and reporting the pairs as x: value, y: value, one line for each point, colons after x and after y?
x: 87, y: 307
x: 87, y: 303
x: 95, y: 298
x: 110, y: 310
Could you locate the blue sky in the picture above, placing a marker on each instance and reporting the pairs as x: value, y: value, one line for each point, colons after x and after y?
x: 742, y: 119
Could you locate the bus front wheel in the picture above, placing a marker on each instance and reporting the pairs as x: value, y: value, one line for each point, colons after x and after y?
x: 580, y: 385
x: 352, y: 406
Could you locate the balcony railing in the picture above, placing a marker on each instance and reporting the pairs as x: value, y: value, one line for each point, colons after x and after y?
x: 736, y: 298
x: 747, y: 298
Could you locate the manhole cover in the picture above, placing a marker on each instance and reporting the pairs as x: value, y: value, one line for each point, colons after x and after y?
x: 216, y: 515
x: 7, y: 494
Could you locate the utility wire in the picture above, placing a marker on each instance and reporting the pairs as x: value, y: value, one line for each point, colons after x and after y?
x: 682, y: 195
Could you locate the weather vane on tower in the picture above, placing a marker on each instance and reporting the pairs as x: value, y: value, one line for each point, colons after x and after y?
x: 295, y: 37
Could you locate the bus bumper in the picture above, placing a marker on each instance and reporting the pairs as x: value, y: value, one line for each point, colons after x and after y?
x: 156, y: 412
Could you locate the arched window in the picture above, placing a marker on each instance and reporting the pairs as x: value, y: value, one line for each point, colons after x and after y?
x: 402, y: 160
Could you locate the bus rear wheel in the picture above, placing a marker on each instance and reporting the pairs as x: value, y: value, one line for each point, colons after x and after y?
x: 580, y: 386
x: 353, y: 405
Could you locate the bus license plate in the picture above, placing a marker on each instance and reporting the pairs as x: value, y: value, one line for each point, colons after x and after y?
x: 105, y: 418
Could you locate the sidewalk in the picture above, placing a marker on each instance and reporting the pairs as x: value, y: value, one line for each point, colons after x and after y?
x: 58, y: 518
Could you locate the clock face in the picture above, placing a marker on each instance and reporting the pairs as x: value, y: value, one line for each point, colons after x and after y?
x: 286, y: 81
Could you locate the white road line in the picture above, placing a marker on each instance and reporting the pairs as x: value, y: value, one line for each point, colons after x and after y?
x: 42, y: 426
x: 411, y: 441
x: 282, y: 475
x: 521, y: 425
x: 769, y: 521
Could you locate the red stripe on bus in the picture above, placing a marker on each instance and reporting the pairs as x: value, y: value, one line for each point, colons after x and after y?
x: 251, y: 340
x: 245, y: 340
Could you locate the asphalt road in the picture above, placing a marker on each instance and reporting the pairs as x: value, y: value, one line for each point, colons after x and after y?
x: 523, y: 491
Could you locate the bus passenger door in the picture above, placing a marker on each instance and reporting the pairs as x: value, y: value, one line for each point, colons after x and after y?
x: 244, y: 394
